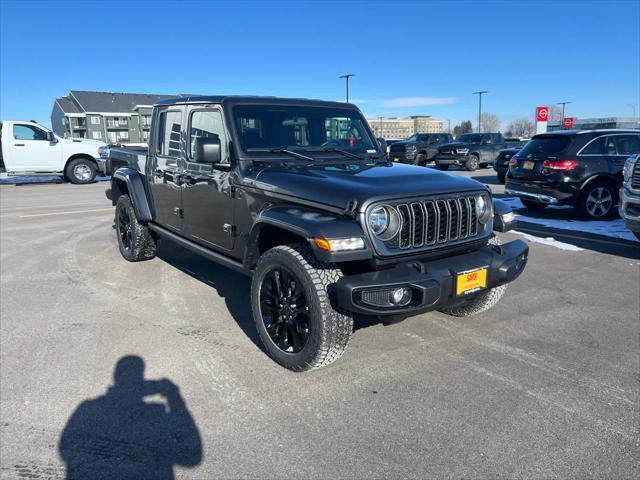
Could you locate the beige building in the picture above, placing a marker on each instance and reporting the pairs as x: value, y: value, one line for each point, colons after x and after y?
x: 405, y: 127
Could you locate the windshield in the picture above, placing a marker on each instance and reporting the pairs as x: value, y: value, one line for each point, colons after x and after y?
x: 412, y: 138
x: 265, y: 127
x: 549, y: 145
x: 470, y: 138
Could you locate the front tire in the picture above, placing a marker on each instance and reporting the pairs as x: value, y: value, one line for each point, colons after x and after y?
x: 81, y: 171
x: 472, y: 163
x: 502, y: 178
x: 482, y: 302
x: 441, y: 166
x: 135, y: 241
x: 290, y: 299
x: 421, y: 159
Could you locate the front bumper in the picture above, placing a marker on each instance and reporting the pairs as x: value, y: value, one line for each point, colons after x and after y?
x: 432, y: 283
x: 451, y: 160
x: 102, y: 165
x: 629, y: 209
x: 402, y: 157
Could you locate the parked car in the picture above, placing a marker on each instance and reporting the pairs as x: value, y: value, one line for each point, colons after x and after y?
x: 501, y: 163
x: 470, y: 150
x: 419, y: 148
x: 629, y: 205
x: 28, y: 148
x: 390, y: 141
x: 299, y: 195
x: 580, y: 168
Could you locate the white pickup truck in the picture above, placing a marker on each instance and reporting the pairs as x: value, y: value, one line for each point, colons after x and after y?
x: 28, y: 148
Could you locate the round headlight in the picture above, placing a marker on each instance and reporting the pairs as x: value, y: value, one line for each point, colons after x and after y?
x: 378, y: 220
x: 483, y: 208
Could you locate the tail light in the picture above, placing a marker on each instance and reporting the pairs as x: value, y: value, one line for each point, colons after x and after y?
x: 559, y: 165
x: 513, y: 162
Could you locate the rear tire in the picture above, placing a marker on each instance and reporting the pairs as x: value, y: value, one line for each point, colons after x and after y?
x: 80, y: 171
x: 472, y: 163
x: 598, y: 201
x: 441, y: 166
x: 135, y: 241
x: 298, y: 338
x: 502, y: 178
x: 533, y: 205
x: 482, y: 302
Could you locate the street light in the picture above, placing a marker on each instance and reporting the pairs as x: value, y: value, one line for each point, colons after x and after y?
x: 480, y: 93
x: 381, y: 126
x: 634, y: 110
x: 346, y: 76
x: 449, y: 121
x: 563, y: 104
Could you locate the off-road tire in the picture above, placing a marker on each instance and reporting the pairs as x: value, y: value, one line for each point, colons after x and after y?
x: 441, y: 166
x: 329, y: 329
x: 533, y: 205
x: 482, y: 302
x: 473, y: 163
x: 582, y: 207
x: 421, y: 160
x: 502, y: 178
x: 90, y: 167
x: 143, y: 243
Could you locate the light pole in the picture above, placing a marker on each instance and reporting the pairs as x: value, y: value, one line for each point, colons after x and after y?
x: 449, y: 122
x: 634, y: 110
x: 480, y: 93
x: 346, y: 76
x: 381, y: 126
x: 562, y: 119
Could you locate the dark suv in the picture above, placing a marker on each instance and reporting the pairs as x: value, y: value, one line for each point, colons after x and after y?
x: 418, y: 149
x: 579, y: 168
x: 471, y: 150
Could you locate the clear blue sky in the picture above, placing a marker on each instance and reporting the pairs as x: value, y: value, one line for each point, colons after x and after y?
x: 409, y: 57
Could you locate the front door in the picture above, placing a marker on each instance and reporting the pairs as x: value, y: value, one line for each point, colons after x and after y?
x: 164, y: 172
x: 207, y: 196
x: 30, y: 150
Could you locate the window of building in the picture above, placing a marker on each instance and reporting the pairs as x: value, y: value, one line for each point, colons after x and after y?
x: 169, y: 133
x: 95, y: 120
x: 146, y: 120
x: 207, y: 124
x: 96, y: 135
x: 28, y: 132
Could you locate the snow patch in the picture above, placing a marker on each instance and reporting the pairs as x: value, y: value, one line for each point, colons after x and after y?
x: 609, y: 228
x: 552, y: 242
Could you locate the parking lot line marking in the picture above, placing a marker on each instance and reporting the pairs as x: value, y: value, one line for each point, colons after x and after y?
x: 66, y: 213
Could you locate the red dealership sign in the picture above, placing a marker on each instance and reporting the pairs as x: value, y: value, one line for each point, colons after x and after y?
x: 567, y: 122
x: 542, y: 114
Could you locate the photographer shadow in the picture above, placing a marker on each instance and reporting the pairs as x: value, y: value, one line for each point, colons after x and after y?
x: 120, y: 435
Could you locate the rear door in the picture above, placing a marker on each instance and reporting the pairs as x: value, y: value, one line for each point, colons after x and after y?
x: 626, y: 145
x: 29, y: 149
x: 166, y: 154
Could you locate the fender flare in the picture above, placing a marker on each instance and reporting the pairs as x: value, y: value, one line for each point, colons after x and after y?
x: 133, y: 181
x: 307, y: 223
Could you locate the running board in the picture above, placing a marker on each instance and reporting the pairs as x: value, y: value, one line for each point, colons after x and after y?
x: 200, y: 250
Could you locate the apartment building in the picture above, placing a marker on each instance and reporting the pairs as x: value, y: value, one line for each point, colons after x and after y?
x: 405, y: 127
x: 107, y: 116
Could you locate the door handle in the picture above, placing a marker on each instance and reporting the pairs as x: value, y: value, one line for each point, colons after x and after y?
x: 18, y: 144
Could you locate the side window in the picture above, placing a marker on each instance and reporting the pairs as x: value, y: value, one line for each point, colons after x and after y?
x: 28, y: 132
x: 206, y: 124
x: 610, y: 146
x: 596, y: 147
x: 627, y: 144
x: 169, y: 132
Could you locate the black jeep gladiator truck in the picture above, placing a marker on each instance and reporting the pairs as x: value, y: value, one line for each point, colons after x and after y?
x: 419, y: 148
x: 300, y: 196
x: 471, y: 151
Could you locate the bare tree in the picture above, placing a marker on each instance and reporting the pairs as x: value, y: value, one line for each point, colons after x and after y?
x: 555, y: 113
x: 490, y: 122
x: 522, y: 127
x: 464, y: 127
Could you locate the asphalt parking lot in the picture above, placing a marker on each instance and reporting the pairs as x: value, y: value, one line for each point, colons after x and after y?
x: 544, y: 385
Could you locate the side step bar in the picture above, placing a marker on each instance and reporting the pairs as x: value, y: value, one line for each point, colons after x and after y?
x: 200, y: 250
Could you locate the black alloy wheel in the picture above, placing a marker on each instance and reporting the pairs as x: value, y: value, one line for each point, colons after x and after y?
x: 125, y: 229
x: 284, y: 310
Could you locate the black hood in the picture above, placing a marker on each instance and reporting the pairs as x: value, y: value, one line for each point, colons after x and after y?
x: 453, y: 145
x: 337, y: 184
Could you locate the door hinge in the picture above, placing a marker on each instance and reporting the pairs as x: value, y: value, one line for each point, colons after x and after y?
x: 178, y: 212
x: 229, y: 229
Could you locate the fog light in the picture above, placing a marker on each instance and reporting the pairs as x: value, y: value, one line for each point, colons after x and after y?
x: 400, y: 296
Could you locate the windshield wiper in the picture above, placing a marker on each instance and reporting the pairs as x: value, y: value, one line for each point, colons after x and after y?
x: 282, y: 150
x: 334, y: 150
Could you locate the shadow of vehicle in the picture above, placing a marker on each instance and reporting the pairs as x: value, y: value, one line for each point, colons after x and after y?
x: 487, y: 179
x: 120, y: 435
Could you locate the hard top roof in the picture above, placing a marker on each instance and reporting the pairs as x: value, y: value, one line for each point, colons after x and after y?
x: 241, y: 99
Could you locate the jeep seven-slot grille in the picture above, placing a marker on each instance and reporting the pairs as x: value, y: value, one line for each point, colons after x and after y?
x: 635, y: 176
x: 437, y: 222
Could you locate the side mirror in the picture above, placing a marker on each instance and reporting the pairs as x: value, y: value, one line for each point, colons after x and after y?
x: 51, y: 137
x: 208, y: 150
